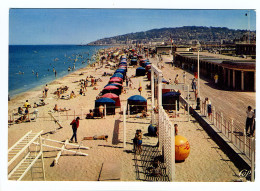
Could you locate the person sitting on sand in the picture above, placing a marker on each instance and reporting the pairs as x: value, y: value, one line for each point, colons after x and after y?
x: 101, y: 137
x: 101, y: 110
x: 90, y: 115
x: 72, y: 95
x: 56, y: 108
x: 81, y: 91
x: 20, y: 110
x: 42, y: 103
x: 35, y: 105
x: 144, y: 114
x: 21, y: 119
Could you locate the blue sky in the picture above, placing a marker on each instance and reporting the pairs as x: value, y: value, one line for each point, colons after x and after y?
x: 76, y: 26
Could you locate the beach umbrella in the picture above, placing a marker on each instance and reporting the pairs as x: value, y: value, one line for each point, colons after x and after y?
x: 169, y: 100
x: 111, y: 89
x: 137, y: 104
x: 110, y: 105
x: 120, y: 75
x: 113, y: 97
x: 140, y: 71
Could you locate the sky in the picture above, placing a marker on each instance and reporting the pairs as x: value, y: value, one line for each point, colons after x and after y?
x: 77, y: 26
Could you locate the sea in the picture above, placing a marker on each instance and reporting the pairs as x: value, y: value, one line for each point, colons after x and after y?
x: 31, y: 66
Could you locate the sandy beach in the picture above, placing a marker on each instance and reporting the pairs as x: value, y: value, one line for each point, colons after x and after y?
x: 206, y: 163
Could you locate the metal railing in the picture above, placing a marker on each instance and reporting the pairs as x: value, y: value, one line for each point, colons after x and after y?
x: 227, y: 127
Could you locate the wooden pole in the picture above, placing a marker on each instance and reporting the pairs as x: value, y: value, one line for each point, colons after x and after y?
x: 124, y: 119
x: 252, y: 159
x: 105, y: 111
x: 188, y: 109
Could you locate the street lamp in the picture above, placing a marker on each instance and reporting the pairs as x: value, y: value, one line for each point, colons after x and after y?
x: 198, y: 95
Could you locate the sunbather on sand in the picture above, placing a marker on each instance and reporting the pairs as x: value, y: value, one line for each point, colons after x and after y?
x: 102, y: 137
x: 60, y: 109
x: 21, y: 119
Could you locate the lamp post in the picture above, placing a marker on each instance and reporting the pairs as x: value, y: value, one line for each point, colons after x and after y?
x: 198, y: 70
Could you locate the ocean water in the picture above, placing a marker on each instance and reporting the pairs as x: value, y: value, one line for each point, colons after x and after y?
x: 26, y: 61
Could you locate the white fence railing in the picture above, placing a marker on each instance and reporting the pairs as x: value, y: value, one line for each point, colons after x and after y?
x: 167, y: 142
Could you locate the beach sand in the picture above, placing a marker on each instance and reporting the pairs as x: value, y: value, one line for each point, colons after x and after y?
x: 206, y: 163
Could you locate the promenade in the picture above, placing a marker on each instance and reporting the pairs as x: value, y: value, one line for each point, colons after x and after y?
x: 233, y: 104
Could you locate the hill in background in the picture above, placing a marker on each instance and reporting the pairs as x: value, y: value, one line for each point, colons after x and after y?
x: 180, y: 35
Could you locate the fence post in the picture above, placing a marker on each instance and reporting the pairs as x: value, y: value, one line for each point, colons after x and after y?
x: 252, y: 159
x: 214, y: 115
x: 232, y: 129
x: 172, y: 152
x: 105, y: 112
x: 188, y: 109
x: 221, y: 125
x: 128, y: 110
x: 176, y: 108
x: 81, y: 112
x: 244, y: 142
x: 124, y: 121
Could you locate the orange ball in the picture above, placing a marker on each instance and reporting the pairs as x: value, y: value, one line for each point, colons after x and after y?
x: 182, y: 148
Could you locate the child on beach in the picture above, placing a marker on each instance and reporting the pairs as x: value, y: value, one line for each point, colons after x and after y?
x: 138, y: 137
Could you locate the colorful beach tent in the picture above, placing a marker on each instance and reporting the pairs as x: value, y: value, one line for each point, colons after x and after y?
x: 111, y: 89
x: 137, y: 104
x: 115, y: 84
x: 133, y: 62
x: 113, y: 97
x: 169, y: 100
x: 120, y: 75
x: 140, y: 71
x: 116, y: 79
x: 110, y: 105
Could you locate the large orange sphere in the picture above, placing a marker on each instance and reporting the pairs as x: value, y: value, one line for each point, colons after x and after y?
x: 182, y: 148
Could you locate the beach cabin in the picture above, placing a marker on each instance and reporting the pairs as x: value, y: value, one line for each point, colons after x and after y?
x: 110, y: 105
x: 111, y: 89
x: 140, y: 71
x: 136, y: 104
x: 169, y: 100
x: 113, y: 97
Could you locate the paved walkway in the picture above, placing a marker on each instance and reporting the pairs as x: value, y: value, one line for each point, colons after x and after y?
x: 233, y: 104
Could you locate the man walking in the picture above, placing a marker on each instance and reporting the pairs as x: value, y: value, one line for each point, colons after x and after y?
x: 75, y: 125
x: 249, y: 120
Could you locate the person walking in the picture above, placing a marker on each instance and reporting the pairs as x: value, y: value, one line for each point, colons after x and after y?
x: 208, y: 106
x: 249, y: 120
x: 176, y: 81
x: 75, y: 125
x: 184, y: 77
x: 216, y: 78
x: 46, y: 89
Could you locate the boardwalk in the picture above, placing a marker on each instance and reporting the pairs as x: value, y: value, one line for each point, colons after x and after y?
x: 233, y: 104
